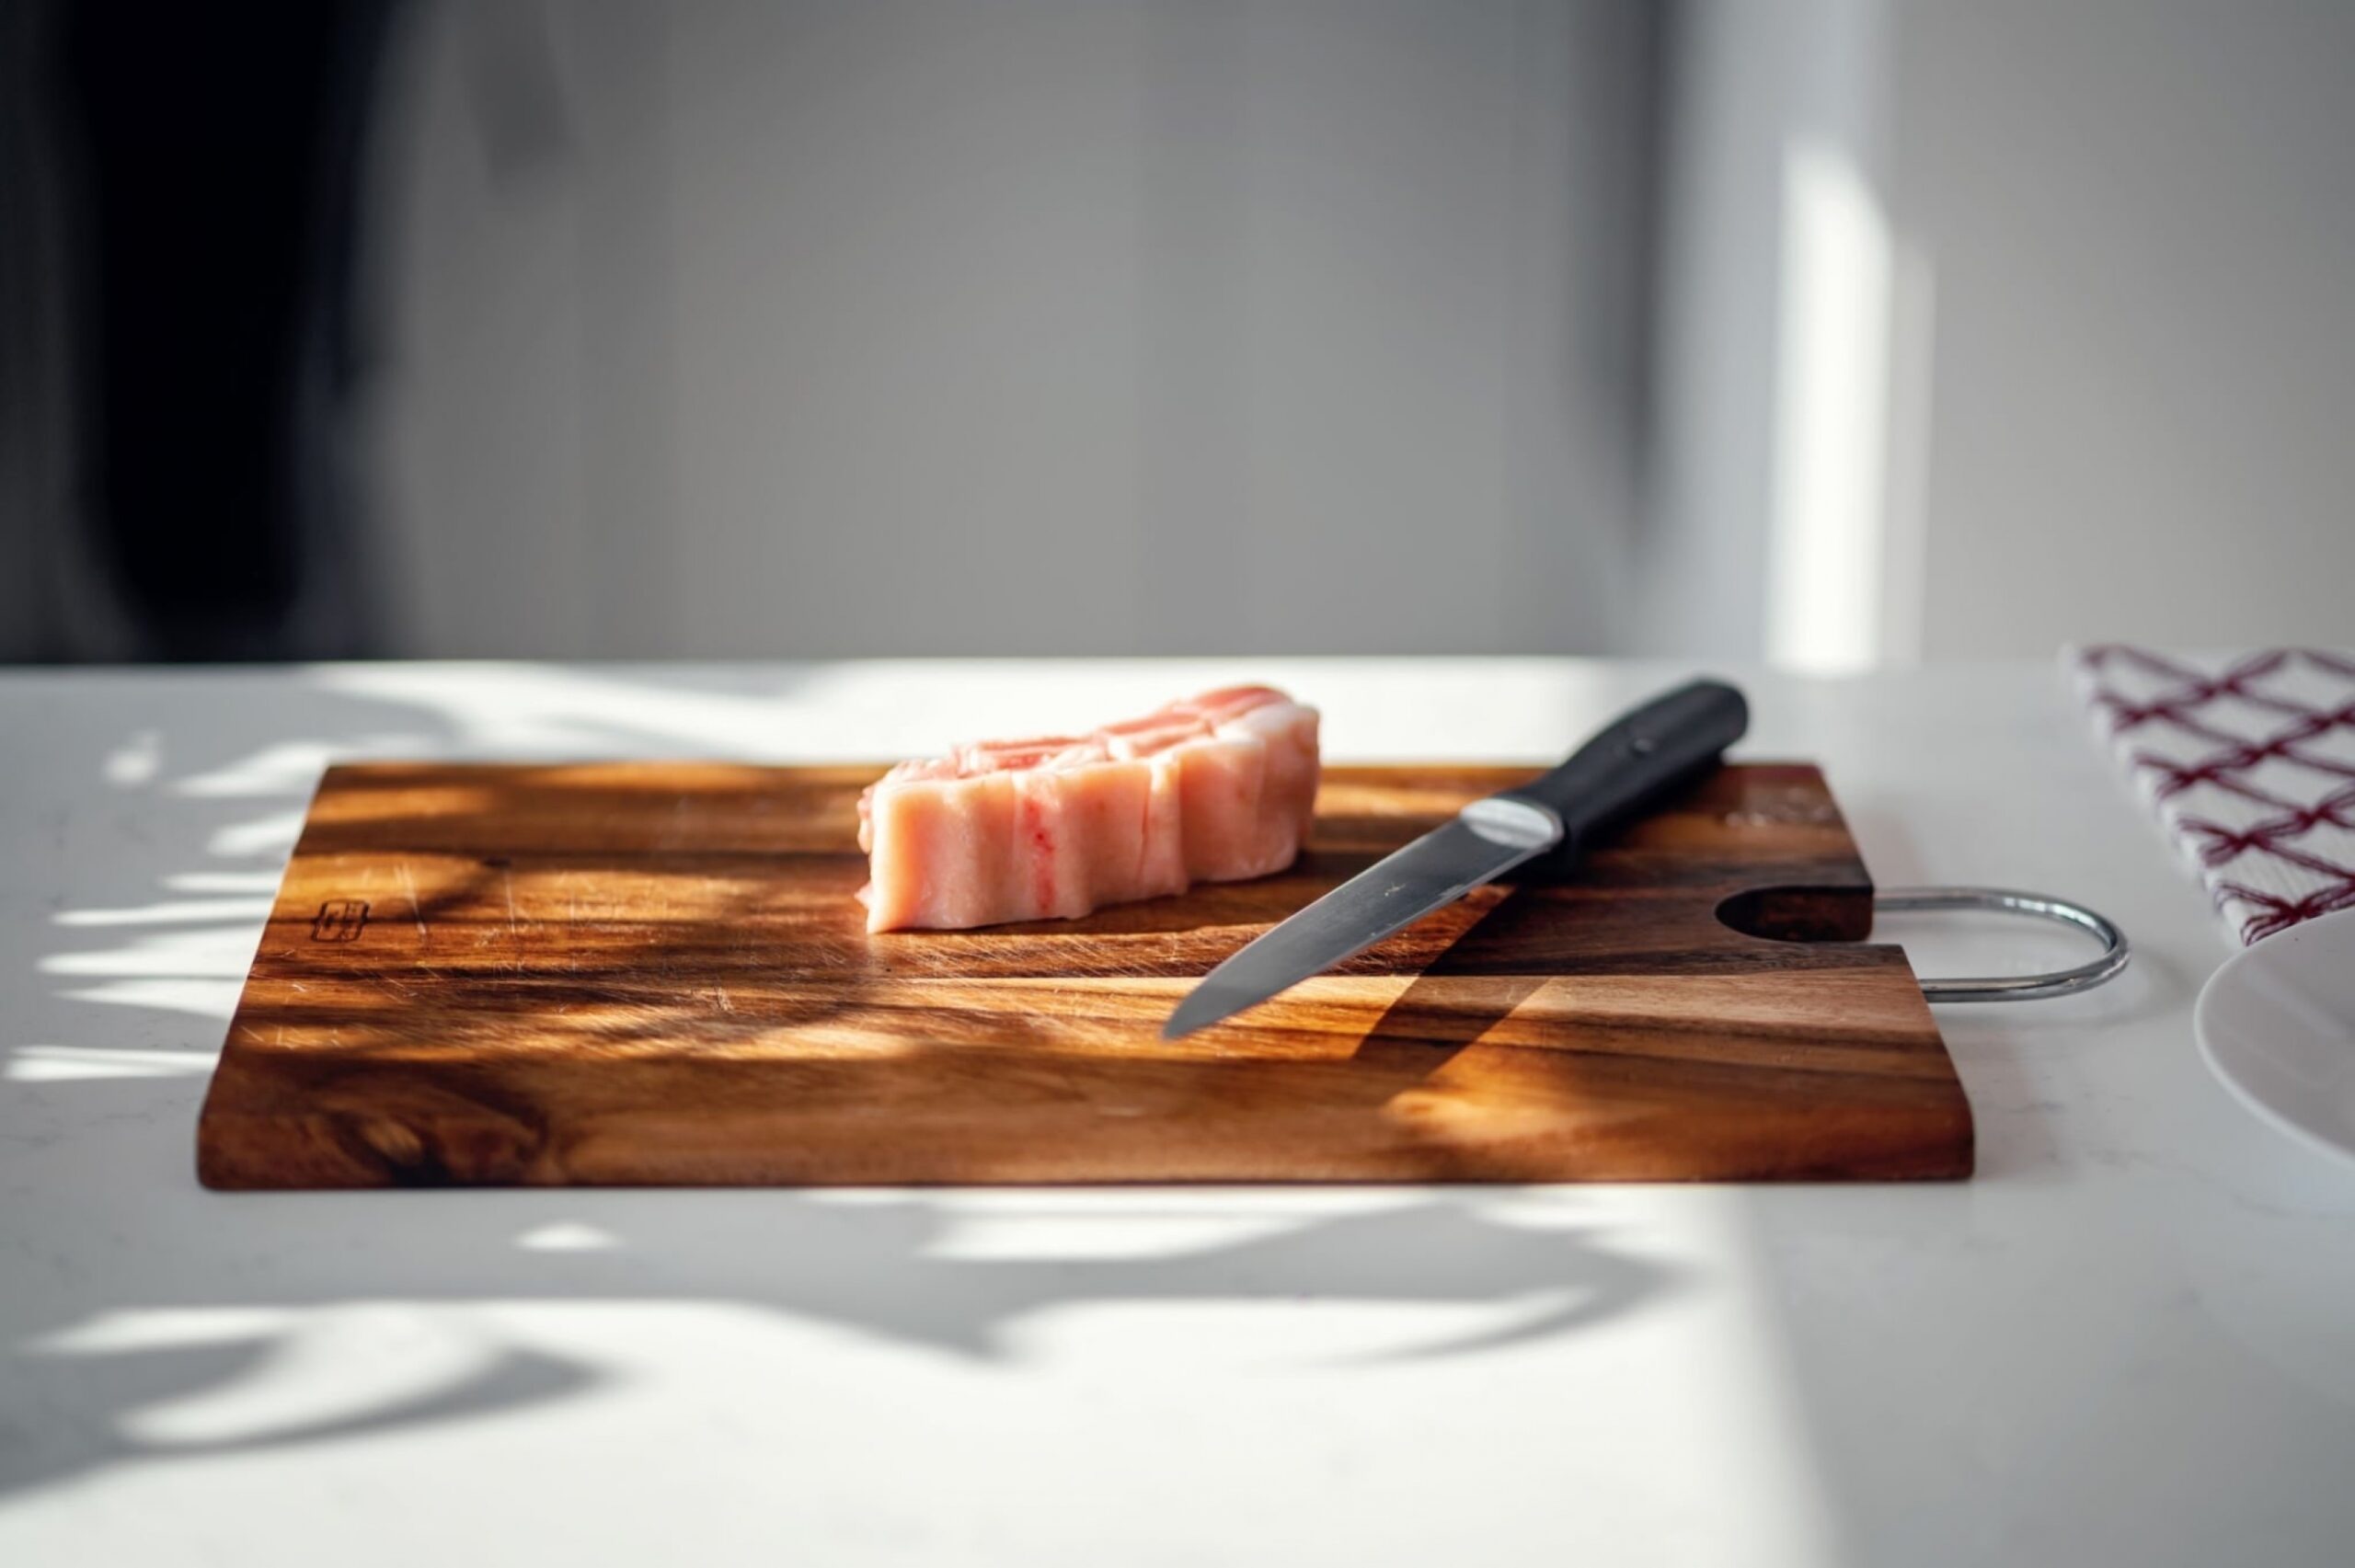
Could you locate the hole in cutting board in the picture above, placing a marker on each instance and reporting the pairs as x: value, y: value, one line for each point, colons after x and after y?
x: 1801, y: 914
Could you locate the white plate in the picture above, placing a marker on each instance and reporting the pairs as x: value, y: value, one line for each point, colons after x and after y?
x: 2277, y: 1024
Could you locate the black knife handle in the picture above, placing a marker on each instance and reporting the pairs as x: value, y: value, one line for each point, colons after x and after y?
x: 1640, y: 755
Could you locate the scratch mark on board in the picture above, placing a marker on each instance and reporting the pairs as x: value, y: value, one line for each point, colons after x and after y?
x: 415, y: 910
x: 514, y: 926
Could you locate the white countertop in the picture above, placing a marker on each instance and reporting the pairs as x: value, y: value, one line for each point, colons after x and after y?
x: 2130, y: 1339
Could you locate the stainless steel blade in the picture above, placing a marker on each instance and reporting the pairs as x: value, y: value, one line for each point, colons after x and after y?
x: 1488, y: 839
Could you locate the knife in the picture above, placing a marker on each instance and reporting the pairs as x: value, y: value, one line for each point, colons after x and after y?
x: 1636, y: 759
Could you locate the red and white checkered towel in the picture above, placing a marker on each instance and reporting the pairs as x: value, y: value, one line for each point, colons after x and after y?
x: 2250, y: 759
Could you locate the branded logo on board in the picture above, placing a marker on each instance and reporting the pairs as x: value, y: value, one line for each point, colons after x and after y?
x: 341, y: 919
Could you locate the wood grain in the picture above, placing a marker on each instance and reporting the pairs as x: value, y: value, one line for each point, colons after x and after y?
x: 655, y: 973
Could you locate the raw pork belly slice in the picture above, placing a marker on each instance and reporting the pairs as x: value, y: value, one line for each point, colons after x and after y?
x: 1213, y: 789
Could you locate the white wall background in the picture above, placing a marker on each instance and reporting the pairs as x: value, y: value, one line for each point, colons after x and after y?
x: 1139, y: 325
x: 2140, y: 218
x: 1044, y: 325
x: 1749, y: 85
x: 2067, y: 355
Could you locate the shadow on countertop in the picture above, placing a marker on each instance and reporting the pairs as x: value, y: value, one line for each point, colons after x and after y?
x: 114, y: 1030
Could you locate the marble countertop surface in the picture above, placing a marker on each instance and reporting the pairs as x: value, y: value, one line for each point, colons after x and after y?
x: 2130, y: 1339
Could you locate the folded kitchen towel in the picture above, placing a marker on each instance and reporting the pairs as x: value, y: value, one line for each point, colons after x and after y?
x: 2249, y: 760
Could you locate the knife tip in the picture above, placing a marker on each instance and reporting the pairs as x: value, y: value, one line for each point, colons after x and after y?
x: 1194, y: 1013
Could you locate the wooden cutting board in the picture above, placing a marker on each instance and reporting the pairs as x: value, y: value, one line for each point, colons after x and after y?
x: 655, y: 973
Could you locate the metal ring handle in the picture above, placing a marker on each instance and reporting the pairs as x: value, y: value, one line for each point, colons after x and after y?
x: 2014, y: 987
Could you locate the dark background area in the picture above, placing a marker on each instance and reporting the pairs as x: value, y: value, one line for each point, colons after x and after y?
x: 194, y: 170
